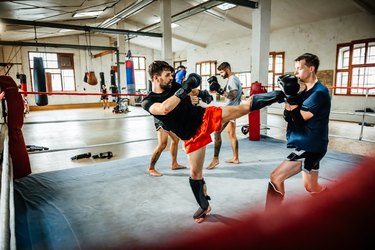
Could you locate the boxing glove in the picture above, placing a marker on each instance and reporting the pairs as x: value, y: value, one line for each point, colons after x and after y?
x: 290, y: 87
x: 214, y: 85
x: 205, y: 96
x: 192, y: 82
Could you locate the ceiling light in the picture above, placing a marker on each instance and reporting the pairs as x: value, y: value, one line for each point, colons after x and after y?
x: 88, y: 14
x: 226, y: 6
x: 174, y: 25
x: 125, y: 13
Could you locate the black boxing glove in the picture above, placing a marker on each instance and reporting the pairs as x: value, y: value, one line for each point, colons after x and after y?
x: 205, y: 96
x: 214, y: 85
x: 290, y: 87
x: 193, y: 81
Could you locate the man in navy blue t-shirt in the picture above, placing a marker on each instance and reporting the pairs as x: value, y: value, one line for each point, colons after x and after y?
x: 307, y: 132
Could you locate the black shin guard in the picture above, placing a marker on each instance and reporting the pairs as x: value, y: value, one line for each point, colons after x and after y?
x: 200, y: 197
x: 274, y: 197
x: 262, y: 100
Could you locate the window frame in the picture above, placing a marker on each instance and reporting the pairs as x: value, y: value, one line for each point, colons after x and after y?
x: 272, y: 86
x: 140, y: 68
x: 212, y: 72
x: 351, y: 67
x: 60, y: 67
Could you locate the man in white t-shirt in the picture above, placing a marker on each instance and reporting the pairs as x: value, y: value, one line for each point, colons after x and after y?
x: 233, y: 92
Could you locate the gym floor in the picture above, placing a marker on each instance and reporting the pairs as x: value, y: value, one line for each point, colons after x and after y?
x: 75, y: 131
x: 114, y: 204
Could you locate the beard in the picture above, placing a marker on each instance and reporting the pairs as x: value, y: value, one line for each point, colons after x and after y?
x: 166, y: 86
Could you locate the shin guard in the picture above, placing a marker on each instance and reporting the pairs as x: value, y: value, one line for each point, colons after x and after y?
x: 262, y: 100
x: 200, y: 197
x: 274, y: 197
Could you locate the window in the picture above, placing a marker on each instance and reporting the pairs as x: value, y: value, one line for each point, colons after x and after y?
x: 205, y: 70
x: 178, y: 63
x: 275, y: 69
x: 139, y: 63
x: 245, y: 78
x: 59, y: 68
x: 355, y: 68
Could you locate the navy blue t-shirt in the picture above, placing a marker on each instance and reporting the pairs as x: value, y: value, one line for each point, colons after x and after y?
x: 314, y: 136
x: 184, y: 119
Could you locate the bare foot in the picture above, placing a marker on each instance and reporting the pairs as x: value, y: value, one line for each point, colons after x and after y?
x: 178, y: 166
x: 233, y: 161
x: 213, y: 164
x: 154, y: 172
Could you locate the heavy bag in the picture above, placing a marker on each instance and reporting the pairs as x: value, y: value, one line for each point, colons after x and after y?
x: 102, y: 81
x: 85, y: 77
x: 17, y: 147
x: 39, y: 80
x: 130, y: 79
x: 113, y: 86
x: 91, y: 78
x: 23, y: 83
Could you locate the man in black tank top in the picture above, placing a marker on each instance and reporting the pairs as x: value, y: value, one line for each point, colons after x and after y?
x: 170, y: 103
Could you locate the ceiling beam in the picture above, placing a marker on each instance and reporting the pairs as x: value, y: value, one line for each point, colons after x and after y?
x: 78, y: 27
x: 187, y: 40
x: 244, y: 3
x: 232, y: 19
x: 365, y: 6
x: 56, y: 45
x: 185, y: 14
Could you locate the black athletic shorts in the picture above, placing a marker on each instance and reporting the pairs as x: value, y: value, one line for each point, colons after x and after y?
x: 310, y: 160
x: 159, y: 124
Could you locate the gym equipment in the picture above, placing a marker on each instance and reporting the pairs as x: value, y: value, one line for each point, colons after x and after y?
x: 32, y: 148
x: 130, y: 78
x: 81, y: 156
x: 102, y: 80
x: 214, y: 85
x: 197, y: 187
x: 14, y: 110
x: 103, y: 155
x: 274, y: 197
x: 39, y: 80
x: 290, y: 87
x: 193, y: 81
x: 262, y: 100
x: 245, y: 129
x: 205, y: 96
x: 122, y: 106
x: 85, y: 77
x: 91, y: 78
x: 113, y: 87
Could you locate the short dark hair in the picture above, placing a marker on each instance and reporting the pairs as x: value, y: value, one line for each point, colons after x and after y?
x: 310, y: 59
x: 157, y: 67
x: 224, y: 65
x: 181, y: 67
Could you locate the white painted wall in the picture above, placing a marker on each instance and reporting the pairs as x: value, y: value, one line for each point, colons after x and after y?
x: 320, y: 38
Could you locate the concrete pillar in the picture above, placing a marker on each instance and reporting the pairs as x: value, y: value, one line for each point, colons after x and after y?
x: 166, y: 30
x: 122, y: 52
x: 261, y: 19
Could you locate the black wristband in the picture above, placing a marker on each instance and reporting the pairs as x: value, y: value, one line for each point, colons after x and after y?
x: 181, y: 93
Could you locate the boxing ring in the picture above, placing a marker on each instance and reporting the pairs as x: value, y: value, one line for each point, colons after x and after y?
x: 7, y: 214
x: 116, y: 205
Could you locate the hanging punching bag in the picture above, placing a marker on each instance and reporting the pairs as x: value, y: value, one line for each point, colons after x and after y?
x: 102, y: 81
x: 130, y: 79
x: 40, y: 81
x: 91, y: 78
x: 113, y: 86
